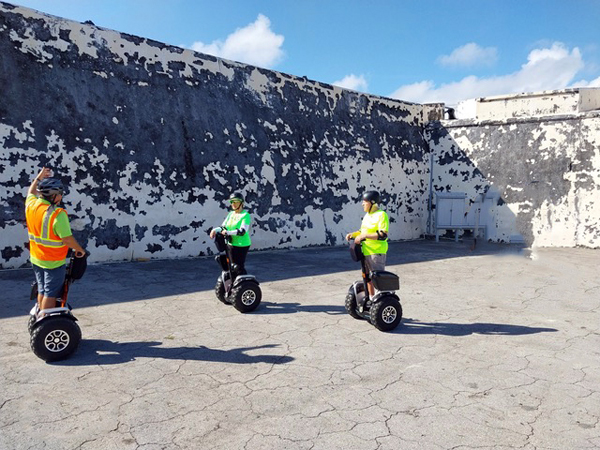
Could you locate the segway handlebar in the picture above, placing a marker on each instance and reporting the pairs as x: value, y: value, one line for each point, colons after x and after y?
x: 77, y: 266
x: 356, y: 251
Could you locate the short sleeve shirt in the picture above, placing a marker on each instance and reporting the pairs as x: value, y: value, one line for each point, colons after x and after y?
x: 62, y: 227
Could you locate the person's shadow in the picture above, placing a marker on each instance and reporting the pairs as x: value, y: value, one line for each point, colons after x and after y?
x: 290, y: 308
x: 411, y: 326
x: 104, y: 352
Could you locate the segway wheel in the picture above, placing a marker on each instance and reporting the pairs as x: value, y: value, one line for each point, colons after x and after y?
x: 386, y: 314
x: 246, y: 296
x: 31, y: 324
x: 55, y: 338
x: 220, y: 291
x: 351, y: 305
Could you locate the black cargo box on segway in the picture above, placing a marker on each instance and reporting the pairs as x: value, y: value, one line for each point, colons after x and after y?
x: 383, y: 310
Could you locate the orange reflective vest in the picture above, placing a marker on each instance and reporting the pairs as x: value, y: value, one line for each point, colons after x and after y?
x: 44, y: 244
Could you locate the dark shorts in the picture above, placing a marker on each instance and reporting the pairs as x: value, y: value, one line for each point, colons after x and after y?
x: 50, y: 281
x: 375, y: 262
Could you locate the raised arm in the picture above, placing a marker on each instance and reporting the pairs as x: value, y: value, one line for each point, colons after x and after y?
x: 44, y: 173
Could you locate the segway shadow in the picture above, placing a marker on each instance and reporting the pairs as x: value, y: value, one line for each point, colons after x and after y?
x: 54, y: 332
x: 383, y: 310
x: 244, y: 292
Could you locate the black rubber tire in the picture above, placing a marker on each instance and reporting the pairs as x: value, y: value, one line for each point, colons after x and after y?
x: 31, y: 323
x: 246, y: 296
x: 351, y: 305
x: 386, y: 313
x: 55, y: 338
x: 220, y: 291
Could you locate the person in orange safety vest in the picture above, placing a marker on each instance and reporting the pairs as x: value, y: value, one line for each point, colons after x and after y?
x: 50, y: 236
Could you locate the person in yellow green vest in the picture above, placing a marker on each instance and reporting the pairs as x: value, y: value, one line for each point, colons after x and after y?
x: 50, y: 236
x: 237, y: 226
x: 373, y: 234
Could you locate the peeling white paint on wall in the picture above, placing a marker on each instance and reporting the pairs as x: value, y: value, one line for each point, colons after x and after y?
x: 546, y: 170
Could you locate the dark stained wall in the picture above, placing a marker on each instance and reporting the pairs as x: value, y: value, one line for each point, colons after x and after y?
x: 150, y: 139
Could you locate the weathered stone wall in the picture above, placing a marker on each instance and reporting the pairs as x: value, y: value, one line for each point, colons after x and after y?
x: 543, y: 103
x: 151, y: 138
x: 542, y: 173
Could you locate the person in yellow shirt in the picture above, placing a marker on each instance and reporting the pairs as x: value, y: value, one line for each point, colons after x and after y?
x: 373, y: 234
x: 50, y: 236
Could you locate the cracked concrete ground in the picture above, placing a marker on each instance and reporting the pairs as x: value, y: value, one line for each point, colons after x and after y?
x: 496, y: 351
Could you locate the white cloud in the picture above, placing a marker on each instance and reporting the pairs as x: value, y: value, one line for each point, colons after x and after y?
x: 546, y: 69
x: 585, y: 83
x: 356, y: 83
x: 470, y: 55
x: 253, y: 44
x: 594, y: 83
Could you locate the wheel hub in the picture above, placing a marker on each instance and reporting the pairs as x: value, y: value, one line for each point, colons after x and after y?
x: 248, y: 297
x: 57, y: 341
x: 389, y: 313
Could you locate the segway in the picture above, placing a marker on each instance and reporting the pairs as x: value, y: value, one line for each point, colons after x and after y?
x: 233, y: 288
x: 383, y: 310
x: 54, y: 333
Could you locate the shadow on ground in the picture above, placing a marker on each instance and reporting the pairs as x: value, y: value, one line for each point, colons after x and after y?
x: 94, y: 352
x: 267, y: 308
x: 104, y: 352
x: 411, y: 326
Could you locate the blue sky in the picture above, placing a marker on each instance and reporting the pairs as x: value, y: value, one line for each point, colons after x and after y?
x: 415, y: 50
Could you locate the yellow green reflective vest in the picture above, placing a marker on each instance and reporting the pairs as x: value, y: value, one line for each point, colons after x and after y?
x: 371, y: 223
x: 234, y: 221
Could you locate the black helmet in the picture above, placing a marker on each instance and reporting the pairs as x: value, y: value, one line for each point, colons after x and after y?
x: 50, y: 186
x: 371, y: 196
x: 236, y: 197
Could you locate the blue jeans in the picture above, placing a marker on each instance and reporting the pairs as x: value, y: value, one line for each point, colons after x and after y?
x: 50, y: 281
